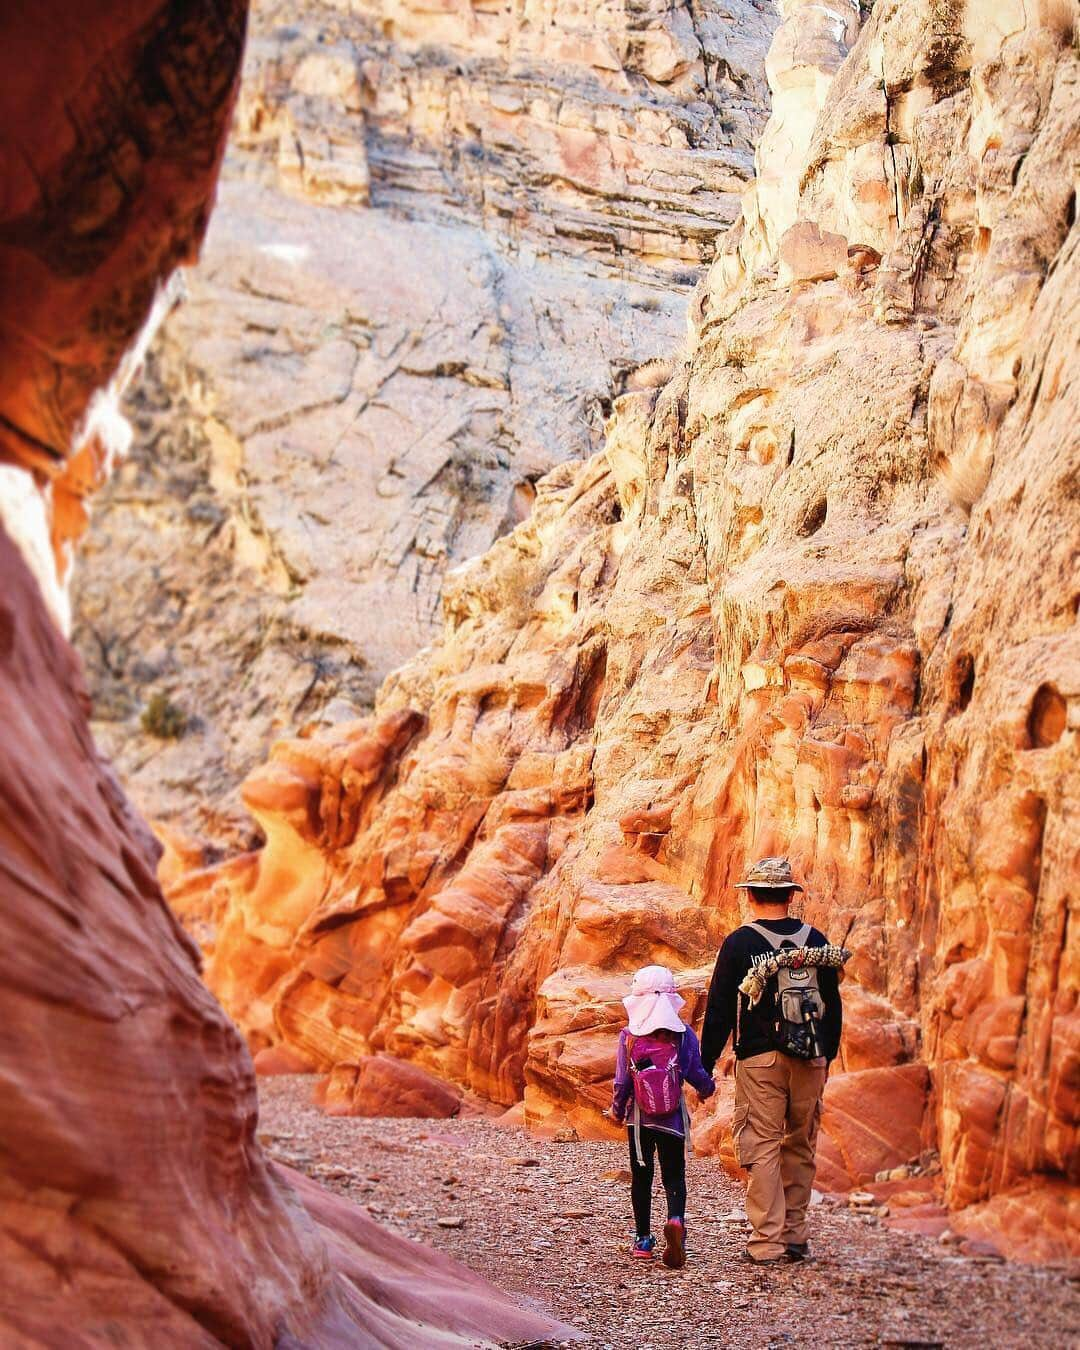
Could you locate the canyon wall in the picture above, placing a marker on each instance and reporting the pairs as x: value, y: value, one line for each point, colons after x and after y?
x: 136, y: 1205
x: 445, y: 241
x: 816, y: 594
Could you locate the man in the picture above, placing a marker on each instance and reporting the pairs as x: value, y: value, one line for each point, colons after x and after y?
x: 780, y: 1065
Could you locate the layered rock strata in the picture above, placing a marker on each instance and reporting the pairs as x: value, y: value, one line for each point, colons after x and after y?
x: 618, y: 135
x: 816, y: 595
x: 136, y: 1205
x: 444, y: 244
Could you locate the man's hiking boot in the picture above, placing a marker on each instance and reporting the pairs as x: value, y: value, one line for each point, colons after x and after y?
x: 674, y: 1244
x: 785, y: 1260
x: 798, y: 1251
x: 643, y: 1248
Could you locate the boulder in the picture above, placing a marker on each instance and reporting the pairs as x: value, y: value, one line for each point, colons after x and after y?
x: 381, y: 1085
x: 809, y: 253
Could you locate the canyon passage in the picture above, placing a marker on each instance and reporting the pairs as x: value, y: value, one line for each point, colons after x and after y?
x: 586, y: 449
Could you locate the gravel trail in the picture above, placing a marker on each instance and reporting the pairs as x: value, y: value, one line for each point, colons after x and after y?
x: 549, y: 1222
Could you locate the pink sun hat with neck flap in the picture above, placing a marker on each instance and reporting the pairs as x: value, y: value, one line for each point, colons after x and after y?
x: 653, y: 1002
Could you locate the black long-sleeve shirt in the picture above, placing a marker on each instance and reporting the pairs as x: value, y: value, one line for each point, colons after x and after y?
x: 723, y: 1012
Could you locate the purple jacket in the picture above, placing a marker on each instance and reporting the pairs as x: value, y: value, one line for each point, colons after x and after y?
x: 690, y: 1066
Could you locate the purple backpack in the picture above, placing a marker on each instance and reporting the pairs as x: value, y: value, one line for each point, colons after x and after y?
x: 658, y: 1087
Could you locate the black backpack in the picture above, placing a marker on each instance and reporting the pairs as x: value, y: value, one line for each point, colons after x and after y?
x: 797, y: 1005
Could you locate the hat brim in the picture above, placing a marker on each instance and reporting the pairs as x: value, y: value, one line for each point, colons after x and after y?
x: 654, y: 1010
x: 767, y: 886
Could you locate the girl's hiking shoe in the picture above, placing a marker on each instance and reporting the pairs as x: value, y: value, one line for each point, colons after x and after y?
x: 643, y: 1248
x: 674, y: 1244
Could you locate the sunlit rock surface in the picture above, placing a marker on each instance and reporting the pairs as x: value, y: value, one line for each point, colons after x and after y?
x: 445, y: 241
x: 818, y: 595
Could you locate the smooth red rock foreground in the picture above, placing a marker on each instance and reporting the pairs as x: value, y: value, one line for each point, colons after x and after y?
x: 136, y: 1207
x: 817, y: 596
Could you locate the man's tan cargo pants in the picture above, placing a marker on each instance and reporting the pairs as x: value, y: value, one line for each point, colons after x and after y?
x: 777, y: 1110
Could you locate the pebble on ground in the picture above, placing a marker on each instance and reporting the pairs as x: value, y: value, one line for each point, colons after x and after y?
x: 549, y: 1224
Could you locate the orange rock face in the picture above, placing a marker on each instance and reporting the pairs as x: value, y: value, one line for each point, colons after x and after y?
x: 109, y: 167
x: 818, y: 596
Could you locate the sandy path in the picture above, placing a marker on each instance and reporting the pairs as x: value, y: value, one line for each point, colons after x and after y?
x: 556, y: 1234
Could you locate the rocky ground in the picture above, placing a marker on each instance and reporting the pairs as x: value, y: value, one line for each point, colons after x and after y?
x: 549, y: 1221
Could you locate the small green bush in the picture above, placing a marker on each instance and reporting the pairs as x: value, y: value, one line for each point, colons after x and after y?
x: 163, y: 719
x: 740, y: 352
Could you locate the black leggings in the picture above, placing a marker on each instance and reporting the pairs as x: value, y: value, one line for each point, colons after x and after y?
x: 672, y: 1151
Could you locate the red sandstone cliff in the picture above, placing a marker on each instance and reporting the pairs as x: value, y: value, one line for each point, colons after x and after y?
x: 817, y: 595
x: 136, y: 1207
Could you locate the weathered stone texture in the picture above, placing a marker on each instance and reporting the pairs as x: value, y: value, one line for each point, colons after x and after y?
x: 444, y: 243
x: 619, y: 134
x: 818, y: 595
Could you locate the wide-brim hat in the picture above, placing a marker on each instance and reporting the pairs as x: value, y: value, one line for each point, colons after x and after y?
x: 653, y: 1002
x: 770, y: 874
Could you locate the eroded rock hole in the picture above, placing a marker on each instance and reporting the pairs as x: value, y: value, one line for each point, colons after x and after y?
x: 519, y: 506
x: 961, y: 682
x: 814, y: 518
x: 1047, y: 717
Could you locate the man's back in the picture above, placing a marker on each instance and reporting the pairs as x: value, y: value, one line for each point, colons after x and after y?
x: 729, y: 1013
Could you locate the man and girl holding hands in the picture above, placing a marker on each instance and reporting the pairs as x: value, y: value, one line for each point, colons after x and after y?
x: 775, y: 993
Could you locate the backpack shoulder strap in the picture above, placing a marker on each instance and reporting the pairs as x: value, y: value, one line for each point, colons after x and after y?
x: 777, y: 940
x: 630, y: 1039
x: 773, y: 939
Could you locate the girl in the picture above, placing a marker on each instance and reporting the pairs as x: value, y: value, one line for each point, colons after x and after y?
x: 657, y: 1053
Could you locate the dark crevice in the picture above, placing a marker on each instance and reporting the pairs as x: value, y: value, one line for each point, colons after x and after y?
x: 961, y: 683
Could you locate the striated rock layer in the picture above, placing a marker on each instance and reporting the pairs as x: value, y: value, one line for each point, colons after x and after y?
x: 136, y: 1206
x: 816, y: 595
x: 445, y: 242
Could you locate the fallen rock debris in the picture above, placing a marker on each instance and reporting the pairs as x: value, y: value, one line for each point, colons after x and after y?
x: 560, y: 1243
